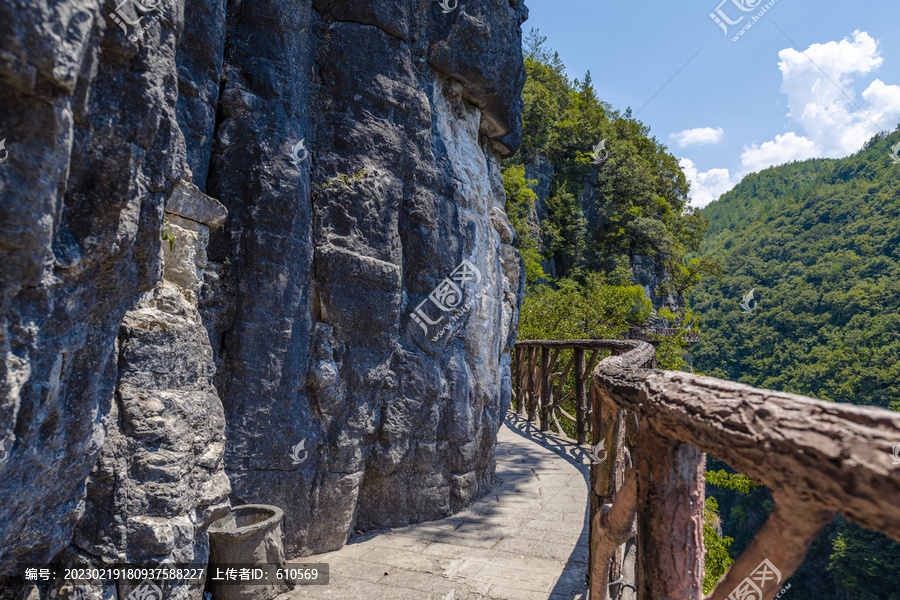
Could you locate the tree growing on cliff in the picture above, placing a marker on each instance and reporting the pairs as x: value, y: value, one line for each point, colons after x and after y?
x: 520, y: 210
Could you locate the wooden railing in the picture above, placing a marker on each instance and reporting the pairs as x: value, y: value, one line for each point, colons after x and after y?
x: 652, y: 334
x: 543, y: 384
x: 647, y: 493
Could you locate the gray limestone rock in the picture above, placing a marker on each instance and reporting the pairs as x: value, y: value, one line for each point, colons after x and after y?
x: 159, y: 481
x: 405, y: 113
x: 190, y: 203
x: 353, y: 313
x: 94, y: 147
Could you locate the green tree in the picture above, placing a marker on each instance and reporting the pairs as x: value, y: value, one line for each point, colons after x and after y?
x: 861, y: 557
x: 520, y: 205
x: 633, y: 204
x: 595, y: 310
x: 519, y: 209
x: 716, y: 560
x: 564, y: 230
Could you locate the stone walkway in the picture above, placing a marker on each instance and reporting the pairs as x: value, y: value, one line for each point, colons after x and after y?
x: 526, y: 540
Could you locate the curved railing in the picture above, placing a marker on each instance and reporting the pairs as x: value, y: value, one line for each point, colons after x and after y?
x: 550, y: 375
x: 653, y: 334
x: 817, y: 458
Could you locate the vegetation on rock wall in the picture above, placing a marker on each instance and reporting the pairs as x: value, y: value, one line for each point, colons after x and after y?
x: 598, y: 217
x: 520, y: 201
x: 716, y: 560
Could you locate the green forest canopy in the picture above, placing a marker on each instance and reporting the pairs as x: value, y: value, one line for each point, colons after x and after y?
x: 818, y: 242
x: 598, y: 218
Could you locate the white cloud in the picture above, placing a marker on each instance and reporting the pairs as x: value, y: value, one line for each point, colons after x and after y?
x: 708, y: 185
x: 700, y: 135
x: 825, y: 105
x: 784, y: 149
x: 835, y: 121
x: 884, y: 103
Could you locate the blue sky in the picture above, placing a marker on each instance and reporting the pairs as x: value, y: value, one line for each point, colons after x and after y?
x: 737, y: 107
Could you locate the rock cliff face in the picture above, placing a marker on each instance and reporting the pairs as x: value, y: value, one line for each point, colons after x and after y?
x: 396, y: 420
x: 349, y: 333
x: 159, y: 481
x: 93, y: 149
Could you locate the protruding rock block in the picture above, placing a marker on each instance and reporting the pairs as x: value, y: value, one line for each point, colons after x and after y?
x: 189, y: 202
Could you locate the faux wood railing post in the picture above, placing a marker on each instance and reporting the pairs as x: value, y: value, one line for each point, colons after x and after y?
x: 580, y: 397
x: 513, y: 378
x: 671, y: 480
x: 607, y: 478
x: 546, y: 396
x: 532, y: 395
x: 523, y: 380
x: 516, y: 379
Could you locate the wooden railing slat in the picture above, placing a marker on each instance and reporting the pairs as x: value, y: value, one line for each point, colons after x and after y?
x: 546, y: 393
x: 565, y: 414
x: 563, y: 377
x: 580, y: 396
x: 783, y: 540
x: 514, y: 378
x: 532, y: 376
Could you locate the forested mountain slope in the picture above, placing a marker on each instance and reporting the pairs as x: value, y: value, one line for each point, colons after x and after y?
x: 608, y: 199
x: 817, y: 244
x: 601, y: 215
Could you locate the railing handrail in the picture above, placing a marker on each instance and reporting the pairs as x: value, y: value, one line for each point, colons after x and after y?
x: 715, y: 415
x: 647, y: 334
x: 616, y: 345
x: 818, y: 458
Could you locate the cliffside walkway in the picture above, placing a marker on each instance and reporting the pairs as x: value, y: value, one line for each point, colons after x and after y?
x: 526, y: 540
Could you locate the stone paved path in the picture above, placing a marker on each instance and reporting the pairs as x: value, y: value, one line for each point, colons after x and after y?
x: 526, y: 540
